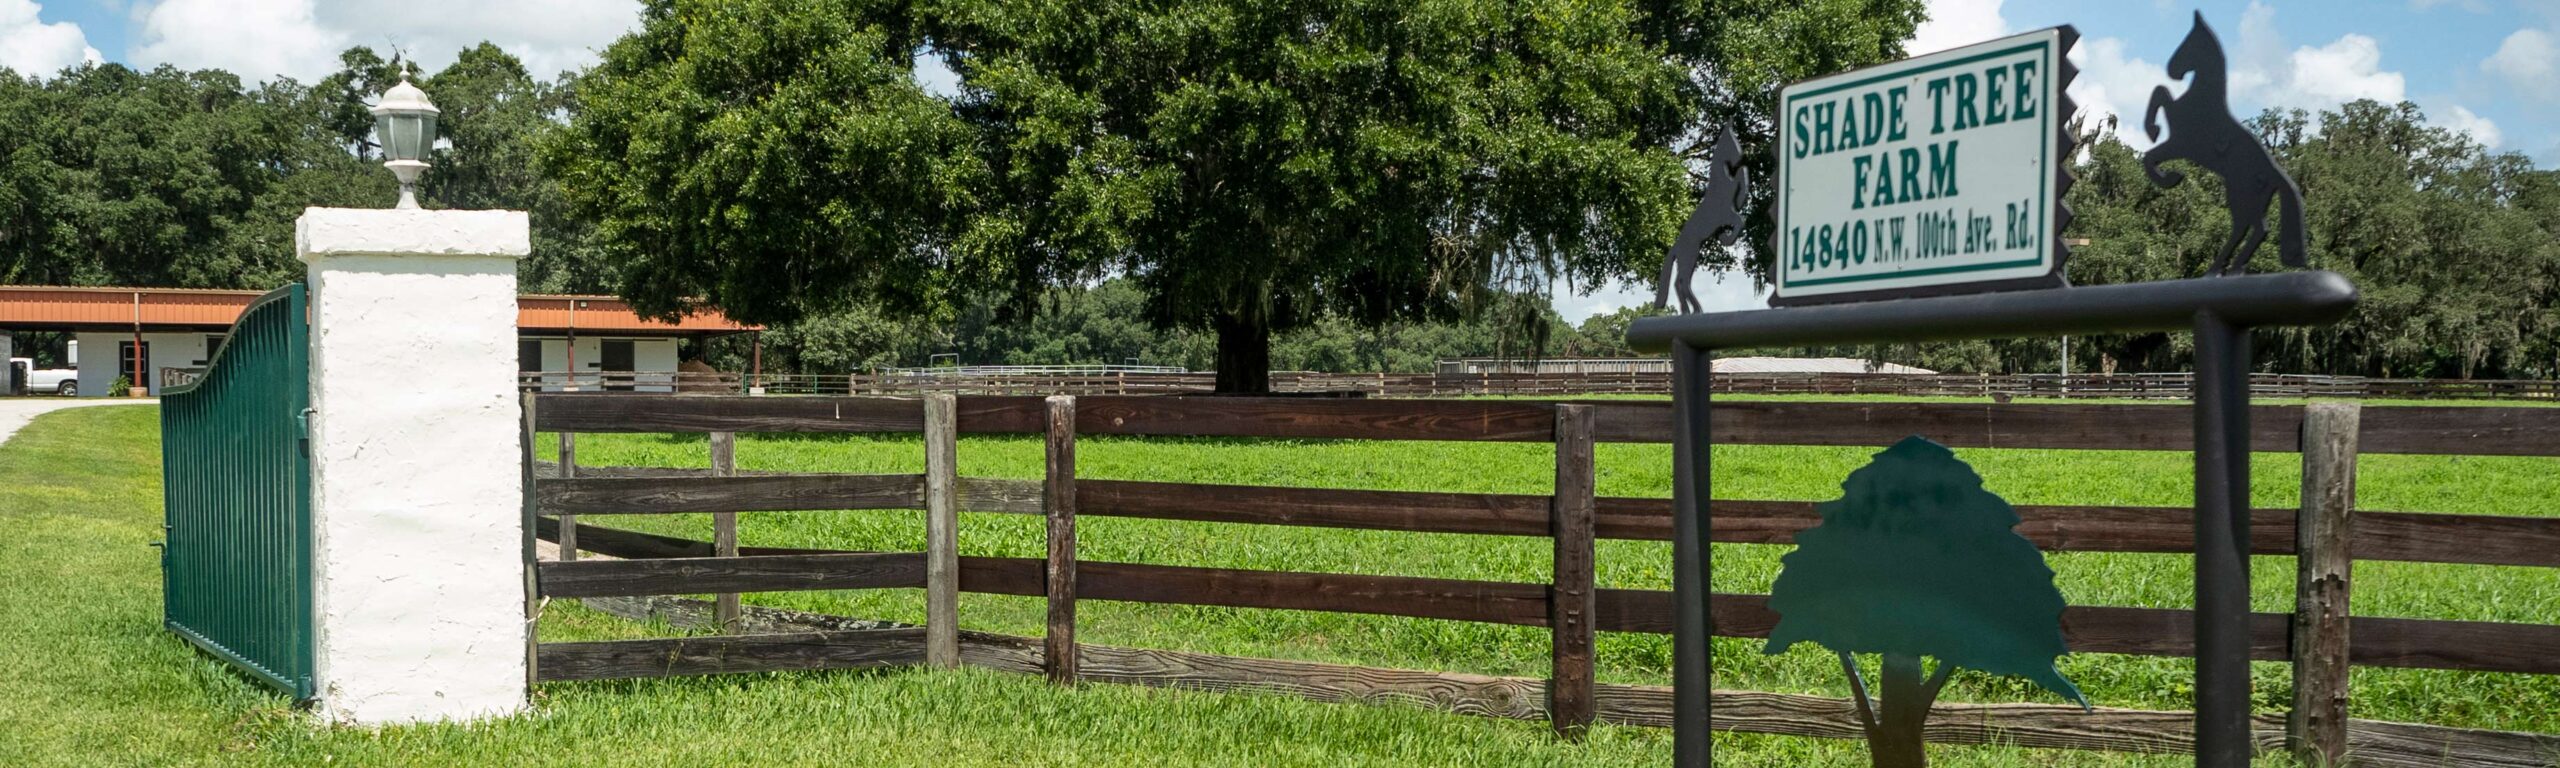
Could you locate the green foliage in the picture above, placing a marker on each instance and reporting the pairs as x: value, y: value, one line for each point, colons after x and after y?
x: 1606, y: 335
x: 774, y: 158
x: 113, y: 175
x: 1105, y: 324
x: 1251, y: 167
x: 495, y: 117
x: 1347, y: 185
x: 1917, y: 559
x: 1257, y: 166
x: 109, y: 176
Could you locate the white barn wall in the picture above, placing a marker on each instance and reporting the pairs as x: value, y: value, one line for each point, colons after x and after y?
x: 648, y: 355
x: 655, y: 356
x: 590, y: 355
x: 555, y: 359
x: 99, y: 363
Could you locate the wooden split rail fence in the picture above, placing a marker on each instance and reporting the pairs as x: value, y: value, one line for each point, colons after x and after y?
x: 2086, y: 386
x: 2320, y: 640
x: 2128, y: 386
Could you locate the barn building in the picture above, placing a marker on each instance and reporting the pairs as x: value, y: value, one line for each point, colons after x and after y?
x: 147, y: 335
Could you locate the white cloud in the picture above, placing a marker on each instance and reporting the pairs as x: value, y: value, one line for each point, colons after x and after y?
x: 1957, y: 23
x: 2529, y: 60
x: 2257, y: 55
x: 2345, y: 70
x: 2113, y: 83
x: 2266, y: 71
x: 1717, y: 292
x: 29, y: 46
x: 2463, y: 120
x: 934, y: 75
x: 551, y: 36
x: 262, y: 39
x: 255, y: 39
x: 2110, y: 82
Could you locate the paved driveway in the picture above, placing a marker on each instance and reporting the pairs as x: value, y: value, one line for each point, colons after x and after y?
x: 15, y: 412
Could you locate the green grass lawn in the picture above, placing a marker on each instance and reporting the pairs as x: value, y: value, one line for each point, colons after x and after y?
x: 2482, y: 485
x: 93, y: 680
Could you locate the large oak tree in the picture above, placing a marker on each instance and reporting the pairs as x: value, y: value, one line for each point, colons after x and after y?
x: 1252, y: 164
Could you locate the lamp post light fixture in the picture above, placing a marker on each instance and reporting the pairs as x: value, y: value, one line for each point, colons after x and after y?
x: 405, y: 123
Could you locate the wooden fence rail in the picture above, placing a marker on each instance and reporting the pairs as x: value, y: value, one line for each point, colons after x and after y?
x: 2321, y: 638
x: 813, y: 642
x: 2452, y: 430
x: 2130, y: 386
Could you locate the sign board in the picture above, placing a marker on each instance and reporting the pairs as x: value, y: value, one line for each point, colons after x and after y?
x: 1932, y: 175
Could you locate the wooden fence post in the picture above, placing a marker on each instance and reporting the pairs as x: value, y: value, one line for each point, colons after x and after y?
x: 568, y: 537
x: 1571, y: 601
x: 724, y: 526
x: 2324, y: 566
x: 941, y: 531
x: 1058, y: 501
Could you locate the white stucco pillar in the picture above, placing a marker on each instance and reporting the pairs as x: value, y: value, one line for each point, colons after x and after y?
x: 417, y: 492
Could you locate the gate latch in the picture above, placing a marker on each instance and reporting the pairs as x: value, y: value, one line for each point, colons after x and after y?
x: 302, y: 422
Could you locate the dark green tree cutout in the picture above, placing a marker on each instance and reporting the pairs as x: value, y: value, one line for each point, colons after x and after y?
x: 1916, y: 559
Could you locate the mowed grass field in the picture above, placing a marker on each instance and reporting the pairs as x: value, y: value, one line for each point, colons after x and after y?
x: 93, y: 680
x: 2480, y: 485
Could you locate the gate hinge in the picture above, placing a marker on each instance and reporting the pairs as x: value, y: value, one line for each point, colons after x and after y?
x: 302, y: 422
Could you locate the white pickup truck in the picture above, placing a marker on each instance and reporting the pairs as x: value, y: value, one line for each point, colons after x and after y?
x: 48, y: 381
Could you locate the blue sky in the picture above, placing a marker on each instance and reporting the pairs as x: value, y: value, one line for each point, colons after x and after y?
x: 2488, y: 67
x: 2452, y: 57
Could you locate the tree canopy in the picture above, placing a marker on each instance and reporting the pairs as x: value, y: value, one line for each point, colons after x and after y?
x: 176, y: 178
x: 1251, y: 166
x: 1118, y: 183
x: 1105, y: 324
x: 773, y: 158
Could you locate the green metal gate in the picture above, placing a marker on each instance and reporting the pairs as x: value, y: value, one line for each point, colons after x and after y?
x: 236, y: 470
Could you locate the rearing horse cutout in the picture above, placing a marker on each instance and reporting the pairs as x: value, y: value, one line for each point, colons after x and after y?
x: 1718, y: 217
x: 2202, y: 131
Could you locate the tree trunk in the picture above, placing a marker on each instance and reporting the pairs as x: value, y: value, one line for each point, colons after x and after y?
x: 1896, y: 742
x: 1244, y: 352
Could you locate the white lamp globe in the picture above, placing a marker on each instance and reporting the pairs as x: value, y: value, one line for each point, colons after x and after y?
x: 404, y: 122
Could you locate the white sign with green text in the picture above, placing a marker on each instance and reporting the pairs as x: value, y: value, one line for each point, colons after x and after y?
x: 1929, y: 175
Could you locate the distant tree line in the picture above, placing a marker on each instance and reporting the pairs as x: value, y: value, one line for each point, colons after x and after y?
x: 193, y: 179
x: 1103, y: 325
x: 169, y: 177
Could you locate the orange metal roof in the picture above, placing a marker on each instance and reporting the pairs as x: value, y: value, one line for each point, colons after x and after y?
x: 44, y: 307
x: 605, y: 313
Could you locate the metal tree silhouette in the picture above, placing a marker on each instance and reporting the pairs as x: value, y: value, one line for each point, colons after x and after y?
x: 1916, y: 559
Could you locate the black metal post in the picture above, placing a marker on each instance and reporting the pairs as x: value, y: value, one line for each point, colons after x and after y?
x: 2222, y: 543
x: 1692, y: 654
x: 2220, y: 309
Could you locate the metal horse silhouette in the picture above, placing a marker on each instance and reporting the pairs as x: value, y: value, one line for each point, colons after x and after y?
x: 1718, y: 217
x: 2202, y: 131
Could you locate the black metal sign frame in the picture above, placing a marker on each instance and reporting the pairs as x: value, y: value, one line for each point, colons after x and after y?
x: 2220, y: 309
